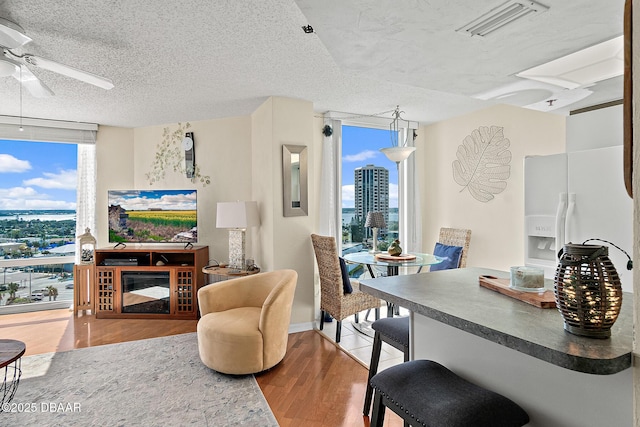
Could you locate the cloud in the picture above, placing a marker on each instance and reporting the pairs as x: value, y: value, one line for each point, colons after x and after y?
x: 26, y: 198
x: 64, y: 180
x: 18, y: 193
x: 9, y: 164
x: 348, y: 196
x: 393, y: 194
x: 361, y: 156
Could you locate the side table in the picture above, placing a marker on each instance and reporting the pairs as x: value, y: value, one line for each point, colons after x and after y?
x: 219, y: 274
x: 11, y: 352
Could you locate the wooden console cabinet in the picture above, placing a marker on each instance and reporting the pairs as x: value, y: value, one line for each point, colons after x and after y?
x: 149, y: 282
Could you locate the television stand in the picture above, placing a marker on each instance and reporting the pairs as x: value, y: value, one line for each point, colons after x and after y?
x: 153, y: 282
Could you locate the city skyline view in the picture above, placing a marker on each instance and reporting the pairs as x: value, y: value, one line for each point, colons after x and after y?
x: 37, y: 175
x: 361, y: 147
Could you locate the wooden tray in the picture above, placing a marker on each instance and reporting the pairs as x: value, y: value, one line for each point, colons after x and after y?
x: 545, y: 299
x: 387, y: 257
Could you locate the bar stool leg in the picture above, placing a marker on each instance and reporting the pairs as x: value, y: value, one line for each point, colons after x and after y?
x: 373, y: 369
x: 377, y: 417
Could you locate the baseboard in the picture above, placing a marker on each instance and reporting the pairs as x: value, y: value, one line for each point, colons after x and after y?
x: 300, y: 327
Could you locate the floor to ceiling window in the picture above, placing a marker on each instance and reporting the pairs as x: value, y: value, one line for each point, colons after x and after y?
x: 369, y: 184
x: 47, y: 199
x: 357, y: 178
x: 37, y: 220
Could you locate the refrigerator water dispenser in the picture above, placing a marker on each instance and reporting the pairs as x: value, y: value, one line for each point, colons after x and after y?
x: 541, y: 242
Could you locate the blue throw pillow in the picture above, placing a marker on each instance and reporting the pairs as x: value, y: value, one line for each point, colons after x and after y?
x: 346, y: 283
x: 450, y: 253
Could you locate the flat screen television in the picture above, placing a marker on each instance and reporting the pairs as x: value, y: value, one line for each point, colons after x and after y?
x: 153, y: 216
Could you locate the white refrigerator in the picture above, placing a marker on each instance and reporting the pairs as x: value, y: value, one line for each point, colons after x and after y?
x: 575, y: 196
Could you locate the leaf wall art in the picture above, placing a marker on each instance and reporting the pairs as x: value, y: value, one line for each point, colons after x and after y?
x: 483, y: 163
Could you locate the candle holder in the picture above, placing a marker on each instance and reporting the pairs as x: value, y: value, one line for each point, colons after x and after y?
x: 587, y: 290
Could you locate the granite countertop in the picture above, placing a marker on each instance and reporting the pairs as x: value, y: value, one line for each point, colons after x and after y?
x: 454, y: 297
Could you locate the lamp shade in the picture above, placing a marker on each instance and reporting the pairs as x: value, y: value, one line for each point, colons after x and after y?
x: 398, y: 154
x: 375, y: 220
x: 237, y: 215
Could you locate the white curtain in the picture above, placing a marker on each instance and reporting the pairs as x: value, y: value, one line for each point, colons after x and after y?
x: 330, y: 223
x: 410, y: 217
x: 86, y: 193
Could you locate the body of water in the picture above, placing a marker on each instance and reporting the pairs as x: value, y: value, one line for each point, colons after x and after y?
x: 349, y: 213
x: 35, y: 215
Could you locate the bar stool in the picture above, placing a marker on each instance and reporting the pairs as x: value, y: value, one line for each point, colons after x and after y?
x: 395, y: 332
x: 425, y: 393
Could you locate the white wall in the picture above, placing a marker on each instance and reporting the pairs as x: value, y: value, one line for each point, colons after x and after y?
x: 285, y: 241
x: 497, y: 226
x: 243, y: 157
x: 223, y: 152
x: 114, y: 170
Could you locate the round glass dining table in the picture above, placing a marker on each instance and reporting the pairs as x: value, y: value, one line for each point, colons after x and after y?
x: 391, y: 263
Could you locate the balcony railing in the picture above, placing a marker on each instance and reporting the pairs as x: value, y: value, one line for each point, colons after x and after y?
x: 39, y: 283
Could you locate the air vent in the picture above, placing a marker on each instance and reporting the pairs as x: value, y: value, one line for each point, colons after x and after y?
x: 502, y: 15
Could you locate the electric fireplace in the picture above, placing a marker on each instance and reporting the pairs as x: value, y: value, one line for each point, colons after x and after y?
x: 146, y: 292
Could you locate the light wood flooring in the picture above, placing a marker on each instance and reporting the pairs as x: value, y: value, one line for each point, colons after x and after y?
x: 317, y: 384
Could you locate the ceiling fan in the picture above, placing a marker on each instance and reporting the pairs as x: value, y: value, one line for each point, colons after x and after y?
x: 12, y: 36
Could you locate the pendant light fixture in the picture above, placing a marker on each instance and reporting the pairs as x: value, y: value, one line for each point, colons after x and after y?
x: 398, y: 152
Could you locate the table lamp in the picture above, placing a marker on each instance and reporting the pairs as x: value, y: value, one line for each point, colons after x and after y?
x: 375, y: 220
x: 237, y: 217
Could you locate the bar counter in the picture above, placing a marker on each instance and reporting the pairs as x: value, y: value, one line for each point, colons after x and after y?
x: 515, y: 348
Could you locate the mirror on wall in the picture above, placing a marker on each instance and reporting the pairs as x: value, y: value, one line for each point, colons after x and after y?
x: 294, y: 180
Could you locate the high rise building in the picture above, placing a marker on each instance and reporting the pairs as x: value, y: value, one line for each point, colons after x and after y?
x: 371, y: 192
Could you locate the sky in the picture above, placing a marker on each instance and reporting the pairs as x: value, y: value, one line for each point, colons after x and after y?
x: 37, y: 175
x: 361, y: 147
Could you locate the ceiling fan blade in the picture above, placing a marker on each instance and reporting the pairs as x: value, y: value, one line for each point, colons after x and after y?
x: 34, y: 85
x: 12, y: 35
x: 68, y: 71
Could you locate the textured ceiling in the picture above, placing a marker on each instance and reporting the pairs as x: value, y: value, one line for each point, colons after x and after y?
x: 176, y: 60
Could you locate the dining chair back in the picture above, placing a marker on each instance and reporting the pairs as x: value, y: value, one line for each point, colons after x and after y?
x: 456, y: 237
x: 333, y: 299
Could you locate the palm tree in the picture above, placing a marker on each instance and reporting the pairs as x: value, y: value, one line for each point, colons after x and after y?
x: 13, y: 288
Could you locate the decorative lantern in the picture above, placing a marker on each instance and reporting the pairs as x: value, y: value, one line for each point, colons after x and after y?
x: 87, y: 247
x: 587, y: 290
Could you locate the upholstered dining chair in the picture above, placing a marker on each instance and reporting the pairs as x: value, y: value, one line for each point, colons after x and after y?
x: 449, y: 240
x: 244, y: 326
x: 333, y: 298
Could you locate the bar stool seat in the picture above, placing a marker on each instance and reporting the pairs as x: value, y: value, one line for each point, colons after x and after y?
x: 425, y: 393
x: 395, y: 332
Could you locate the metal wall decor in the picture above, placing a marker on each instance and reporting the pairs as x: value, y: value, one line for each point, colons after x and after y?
x: 483, y: 163
x: 172, y: 155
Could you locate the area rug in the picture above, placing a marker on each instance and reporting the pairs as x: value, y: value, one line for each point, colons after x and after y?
x: 153, y: 382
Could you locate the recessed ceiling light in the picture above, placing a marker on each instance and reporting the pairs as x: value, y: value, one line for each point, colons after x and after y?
x: 502, y: 15
x: 583, y: 68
